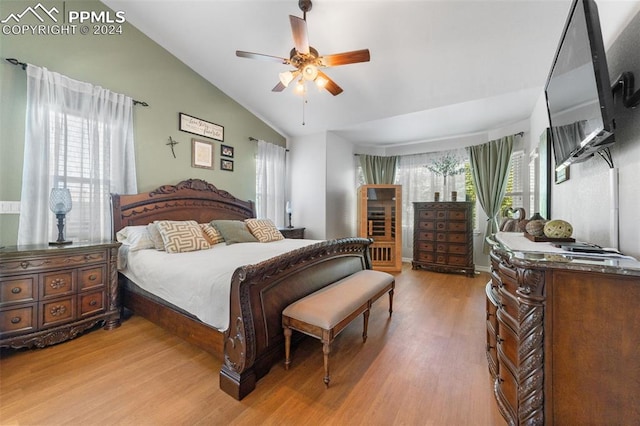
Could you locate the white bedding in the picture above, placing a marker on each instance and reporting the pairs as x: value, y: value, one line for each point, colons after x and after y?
x: 199, y: 282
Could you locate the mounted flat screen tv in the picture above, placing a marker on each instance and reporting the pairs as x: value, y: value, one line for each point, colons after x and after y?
x: 578, y: 90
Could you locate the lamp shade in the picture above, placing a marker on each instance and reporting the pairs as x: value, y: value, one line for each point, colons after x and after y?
x: 60, y: 200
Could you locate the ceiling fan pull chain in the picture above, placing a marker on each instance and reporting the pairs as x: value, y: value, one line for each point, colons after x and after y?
x: 304, y: 101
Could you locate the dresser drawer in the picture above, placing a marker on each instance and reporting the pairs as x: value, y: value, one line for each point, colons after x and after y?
x: 507, y: 345
x: 40, y: 263
x: 425, y: 246
x: 457, y: 226
x: 457, y: 215
x: 56, y: 284
x: 426, y: 225
x: 18, y: 289
x: 18, y: 319
x: 57, y: 311
x: 91, y: 303
x: 426, y: 257
x: 507, y: 390
x: 426, y: 236
x: 452, y: 237
x: 91, y: 277
x: 458, y: 260
x: 426, y: 214
x: 458, y: 249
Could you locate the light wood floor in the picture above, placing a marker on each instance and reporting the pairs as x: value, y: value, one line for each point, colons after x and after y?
x: 423, y: 366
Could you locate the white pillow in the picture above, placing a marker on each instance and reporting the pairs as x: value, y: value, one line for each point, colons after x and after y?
x: 136, y: 237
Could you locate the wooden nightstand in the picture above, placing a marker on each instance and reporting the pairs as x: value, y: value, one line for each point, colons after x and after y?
x: 294, y: 233
x: 49, y: 294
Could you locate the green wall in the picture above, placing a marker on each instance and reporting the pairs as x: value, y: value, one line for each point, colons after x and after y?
x: 132, y: 64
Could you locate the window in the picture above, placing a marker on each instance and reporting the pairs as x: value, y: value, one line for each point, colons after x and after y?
x: 514, y: 194
x: 77, y: 136
x: 270, y: 182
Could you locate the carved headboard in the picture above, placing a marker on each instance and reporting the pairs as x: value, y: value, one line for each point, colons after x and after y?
x: 192, y: 199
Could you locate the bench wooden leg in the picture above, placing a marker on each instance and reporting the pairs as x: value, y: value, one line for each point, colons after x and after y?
x: 391, y: 301
x: 287, y: 347
x: 365, y: 315
x: 326, y: 349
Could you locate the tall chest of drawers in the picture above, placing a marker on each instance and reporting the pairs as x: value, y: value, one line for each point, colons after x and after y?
x: 50, y: 294
x: 443, y: 237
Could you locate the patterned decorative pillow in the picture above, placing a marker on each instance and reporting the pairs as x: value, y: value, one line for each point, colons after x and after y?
x: 156, y: 237
x: 135, y: 237
x: 211, y: 234
x: 264, y: 230
x: 181, y: 236
x: 234, y: 231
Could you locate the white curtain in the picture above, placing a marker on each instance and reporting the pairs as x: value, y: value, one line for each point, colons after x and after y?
x: 270, y: 182
x: 419, y: 183
x: 77, y: 136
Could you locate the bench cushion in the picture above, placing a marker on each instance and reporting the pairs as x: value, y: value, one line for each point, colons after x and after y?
x: 330, y: 305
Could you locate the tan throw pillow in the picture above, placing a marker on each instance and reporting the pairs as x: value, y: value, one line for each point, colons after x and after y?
x: 211, y: 234
x: 182, y: 236
x: 234, y: 231
x: 264, y: 230
x: 156, y: 237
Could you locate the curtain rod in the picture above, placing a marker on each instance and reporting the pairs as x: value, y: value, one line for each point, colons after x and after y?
x: 252, y: 139
x: 23, y: 65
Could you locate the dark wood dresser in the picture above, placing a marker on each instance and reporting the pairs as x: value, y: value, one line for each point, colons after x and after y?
x: 563, y: 334
x: 443, y: 237
x: 49, y: 294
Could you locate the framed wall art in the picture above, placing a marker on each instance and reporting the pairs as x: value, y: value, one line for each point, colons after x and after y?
x: 226, y: 151
x: 200, y: 127
x: 201, y: 154
x: 226, y: 165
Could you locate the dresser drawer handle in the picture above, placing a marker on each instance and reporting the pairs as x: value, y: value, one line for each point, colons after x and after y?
x: 16, y: 290
x: 93, y: 303
x: 499, y: 340
x: 15, y: 320
x: 93, y: 277
x: 58, y: 310
x: 58, y: 283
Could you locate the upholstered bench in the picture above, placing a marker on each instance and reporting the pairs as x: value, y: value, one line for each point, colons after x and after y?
x: 328, y: 311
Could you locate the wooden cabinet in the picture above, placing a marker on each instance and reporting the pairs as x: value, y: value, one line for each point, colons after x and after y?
x: 293, y: 233
x: 443, y: 237
x: 380, y: 218
x: 49, y: 294
x: 562, y: 343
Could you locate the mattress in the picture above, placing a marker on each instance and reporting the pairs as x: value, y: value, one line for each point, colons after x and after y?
x: 199, y: 282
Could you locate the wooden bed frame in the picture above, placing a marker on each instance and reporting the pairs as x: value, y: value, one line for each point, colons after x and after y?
x: 254, y: 340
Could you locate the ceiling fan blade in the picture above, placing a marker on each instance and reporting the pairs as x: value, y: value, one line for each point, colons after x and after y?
x: 346, y: 58
x: 331, y: 85
x: 278, y: 87
x: 300, y: 35
x: 261, y: 57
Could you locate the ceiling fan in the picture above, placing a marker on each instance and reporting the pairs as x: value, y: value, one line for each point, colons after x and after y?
x: 306, y: 60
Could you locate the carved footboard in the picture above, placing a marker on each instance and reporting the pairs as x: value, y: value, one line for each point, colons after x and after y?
x: 254, y: 340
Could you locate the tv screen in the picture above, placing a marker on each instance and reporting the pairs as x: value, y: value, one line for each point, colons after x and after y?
x: 578, y: 90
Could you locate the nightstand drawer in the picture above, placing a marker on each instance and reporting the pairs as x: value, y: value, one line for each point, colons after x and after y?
x: 293, y: 233
x: 18, y: 319
x: 18, y: 289
x: 91, y: 277
x: 91, y: 303
x: 56, y: 284
x: 57, y: 311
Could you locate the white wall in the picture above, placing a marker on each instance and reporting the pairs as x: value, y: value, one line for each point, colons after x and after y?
x: 341, y: 190
x: 309, y: 184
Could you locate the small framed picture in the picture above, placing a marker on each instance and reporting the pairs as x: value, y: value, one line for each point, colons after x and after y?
x: 562, y: 175
x: 226, y: 165
x: 226, y: 151
x: 201, y: 154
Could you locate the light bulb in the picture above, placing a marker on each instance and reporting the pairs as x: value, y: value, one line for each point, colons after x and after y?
x: 321, y: 82
x: 300, y: 87
x: 285, y: 78
x: 310, y: 72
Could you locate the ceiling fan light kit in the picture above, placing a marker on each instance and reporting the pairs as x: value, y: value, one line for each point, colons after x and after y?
x: 306, y: 60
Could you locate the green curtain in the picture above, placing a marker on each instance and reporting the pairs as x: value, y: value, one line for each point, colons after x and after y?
x: 377, y: 169
x: 490, y: 170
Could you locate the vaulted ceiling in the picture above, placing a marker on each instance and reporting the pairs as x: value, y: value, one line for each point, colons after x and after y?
x: 438, y: 68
